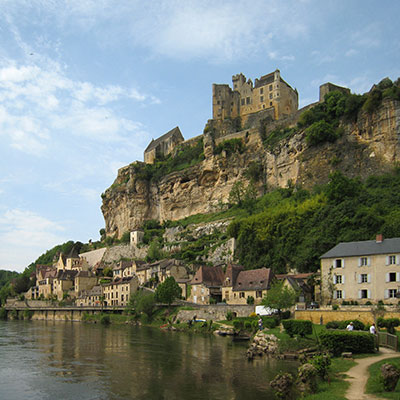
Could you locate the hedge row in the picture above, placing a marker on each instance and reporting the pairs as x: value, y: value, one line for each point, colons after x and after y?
x: 297, y: 327
x: 358, y: 325
x: 338, y: 342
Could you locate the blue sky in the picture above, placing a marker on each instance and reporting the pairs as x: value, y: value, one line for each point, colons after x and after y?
x: 86, y: 84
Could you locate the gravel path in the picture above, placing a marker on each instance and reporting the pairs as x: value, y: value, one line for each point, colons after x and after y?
x: 358, y: 375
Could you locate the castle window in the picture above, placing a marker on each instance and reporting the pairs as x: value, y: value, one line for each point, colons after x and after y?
x: 261, y: 90
x: 270, y: 103
x: 218, y: 102
x: 242, y: 102
x: 247, y: 100
x: 270, y: 87
x: 261, y: 99
x: 270, y: 95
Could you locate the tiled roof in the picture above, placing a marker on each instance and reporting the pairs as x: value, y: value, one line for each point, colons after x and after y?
x: 66, y: 275
x: 364, y: 248
x: 255, y: 279
x: 208, y: 276
x: 231, y: 274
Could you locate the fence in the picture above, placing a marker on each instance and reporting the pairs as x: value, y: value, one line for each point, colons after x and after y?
x: 388, y: 340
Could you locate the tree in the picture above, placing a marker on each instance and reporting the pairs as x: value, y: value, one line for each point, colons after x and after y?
x: 168, y: 291
x: 280, y: 297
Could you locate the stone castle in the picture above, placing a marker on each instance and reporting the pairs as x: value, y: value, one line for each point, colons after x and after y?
x: 268, y: 92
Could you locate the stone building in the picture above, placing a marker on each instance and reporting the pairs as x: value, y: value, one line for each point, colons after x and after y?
x: 330, y: 87
x: 240, y: 284
x: 366, y: 271
x: 268, y: 92
x: 163, y: 145
x: 118, y: 292
x: 206, y: 284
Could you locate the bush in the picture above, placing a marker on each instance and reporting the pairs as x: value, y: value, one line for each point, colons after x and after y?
x: 3, y: 313
x: 105, y: 320
x: 238, y: 324
x: 28, y: 314
x: 357, y: 325
x: 338, y: 342
x: 229, y: 316
x: 320, y: 132
x: 230, y: 146
x: 269, y: 322
x: 321, y: 363
x: 250, y: 300
x: 297, y: 327
x: 389, y: 324
x: 285, y: 314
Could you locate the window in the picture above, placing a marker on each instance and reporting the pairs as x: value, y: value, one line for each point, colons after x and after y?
x: 363, y: 278
x: 392, y: 293
x: 338, y: 263
x: 339, y: 294
x: 227, y: 295
x: 364, y: 294
x: 392, y: 260
x: 261, y: 90
x: 270, y: 95
x: 247, y: 100
x: 261, y: 99
x: 242, y: 101
x: 363, y: 261
x: 392, y: 277
x: 338, y: 279
x: 270, y: 103
x: 258, y: 293
x: 241, y: 295
x: 270, y: 87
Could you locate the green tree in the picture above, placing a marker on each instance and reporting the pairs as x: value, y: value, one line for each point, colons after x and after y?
x: 280, y: 297
x: 168, y: 291
x: 146, y: 304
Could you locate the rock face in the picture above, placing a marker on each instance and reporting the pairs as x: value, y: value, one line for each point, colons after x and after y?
x: 370, y: 146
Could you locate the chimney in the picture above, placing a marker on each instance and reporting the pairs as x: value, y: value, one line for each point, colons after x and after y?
x: 379, y: 238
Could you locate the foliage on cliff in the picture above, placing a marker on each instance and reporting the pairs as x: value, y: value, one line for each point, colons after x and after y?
x: 292, y: 228
x: 185, y: 157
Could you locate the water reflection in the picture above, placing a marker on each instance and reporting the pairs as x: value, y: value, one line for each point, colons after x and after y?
x: 43, y: 359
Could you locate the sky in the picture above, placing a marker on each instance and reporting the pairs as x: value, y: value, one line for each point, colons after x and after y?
x: 86, y: 84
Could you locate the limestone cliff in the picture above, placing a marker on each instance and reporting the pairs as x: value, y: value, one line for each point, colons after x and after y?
x: 369, y: 146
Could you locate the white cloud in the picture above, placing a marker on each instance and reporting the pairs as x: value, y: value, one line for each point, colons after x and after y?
x: 23, y: 235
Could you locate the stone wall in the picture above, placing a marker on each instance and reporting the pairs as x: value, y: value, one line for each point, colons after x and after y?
x: 362, y: 314
x: 215, y: 313
x: 114, y: 254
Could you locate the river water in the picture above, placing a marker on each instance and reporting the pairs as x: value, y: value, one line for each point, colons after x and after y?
x: 72, y: 360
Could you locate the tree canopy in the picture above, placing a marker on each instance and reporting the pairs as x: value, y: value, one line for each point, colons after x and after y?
x: 280, y: 297
x: 168, y: 291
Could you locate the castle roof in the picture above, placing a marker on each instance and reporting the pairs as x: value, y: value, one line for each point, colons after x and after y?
x: 154, y: 143
x: 231, y: 274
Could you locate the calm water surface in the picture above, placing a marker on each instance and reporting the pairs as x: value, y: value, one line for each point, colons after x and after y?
x: 64, y: 360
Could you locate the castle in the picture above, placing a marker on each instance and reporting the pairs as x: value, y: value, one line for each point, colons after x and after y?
x: 268, y: 92
x: 269, y: 98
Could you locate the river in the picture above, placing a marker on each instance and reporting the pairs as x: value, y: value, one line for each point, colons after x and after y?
x: 72, y: 360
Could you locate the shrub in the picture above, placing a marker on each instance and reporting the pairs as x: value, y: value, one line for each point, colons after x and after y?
x: 230, y: 146
x: 357, y: 325
x: 229, y: 316
x: 285, y: 314
x: 297, y: 327
x: 332, y: 325
x: 238, y: 324
x: 335, y: 307
x: 28, y: 314
x: 338, y: 342
x: 320, y: 132
x: 105, y: 320
x: 248, y: 325
x: 321, y: 362
x: 269, y: 322
x: 389, y: 324
x: 3, y: 313
x: 250, y: 300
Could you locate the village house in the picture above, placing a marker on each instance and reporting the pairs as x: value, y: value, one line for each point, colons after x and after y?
x: 302, y: 285
x: 239, y: 284
x: 45, y: 275
x: 365, y: 271
x: 118, y: 293
x: 90, y: 298
x: 206, y: 285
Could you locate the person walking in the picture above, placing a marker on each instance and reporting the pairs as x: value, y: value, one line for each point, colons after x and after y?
x: 350, y: 327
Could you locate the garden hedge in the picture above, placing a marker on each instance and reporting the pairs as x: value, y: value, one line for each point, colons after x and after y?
x: 297, y: 327
x: 338, y: 342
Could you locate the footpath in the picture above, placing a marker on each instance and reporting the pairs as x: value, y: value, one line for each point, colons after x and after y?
x: 358, y: 375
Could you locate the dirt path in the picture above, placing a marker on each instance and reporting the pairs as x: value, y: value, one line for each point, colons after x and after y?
x: 358, y: 375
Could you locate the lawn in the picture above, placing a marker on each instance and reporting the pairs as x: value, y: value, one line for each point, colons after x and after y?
x: 374, y: 383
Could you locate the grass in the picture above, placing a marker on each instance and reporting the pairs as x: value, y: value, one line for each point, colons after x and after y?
x: 374, y: 383
x: 334, y: 388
